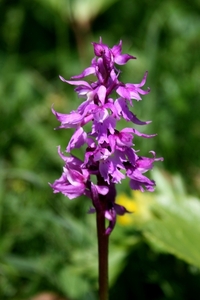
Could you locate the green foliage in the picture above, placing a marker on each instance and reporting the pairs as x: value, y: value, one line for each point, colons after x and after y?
x: 175, y: 227
x: 48, y: 242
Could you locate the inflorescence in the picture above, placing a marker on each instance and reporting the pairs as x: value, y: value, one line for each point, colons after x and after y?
x: 109, y: 154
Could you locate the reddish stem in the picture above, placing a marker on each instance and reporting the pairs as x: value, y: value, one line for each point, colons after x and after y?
x: 103, y: 240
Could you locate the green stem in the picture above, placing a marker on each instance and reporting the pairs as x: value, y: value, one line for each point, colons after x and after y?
x: 103, y: 240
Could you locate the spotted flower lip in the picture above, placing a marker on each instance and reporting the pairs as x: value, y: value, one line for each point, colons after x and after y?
x: 110, y: 153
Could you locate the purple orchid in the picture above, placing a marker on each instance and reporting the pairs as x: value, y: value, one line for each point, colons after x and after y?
x: 109, y: 153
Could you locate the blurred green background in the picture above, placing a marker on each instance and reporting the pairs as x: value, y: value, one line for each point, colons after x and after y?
x: 48, y: 243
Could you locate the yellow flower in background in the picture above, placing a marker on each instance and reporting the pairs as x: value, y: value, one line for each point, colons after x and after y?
x: 138, y: 204
x: 130, y: 205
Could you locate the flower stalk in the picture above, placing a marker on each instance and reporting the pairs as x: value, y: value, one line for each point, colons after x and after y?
x: 103, y: 243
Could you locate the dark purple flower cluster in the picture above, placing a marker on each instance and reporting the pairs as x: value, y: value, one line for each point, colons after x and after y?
x: 109, y: 154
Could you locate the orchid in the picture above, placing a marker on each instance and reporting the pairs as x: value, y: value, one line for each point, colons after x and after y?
x: 110, y: 154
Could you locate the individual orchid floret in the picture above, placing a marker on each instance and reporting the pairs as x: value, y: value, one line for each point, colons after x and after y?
x: 122, y: 108
x: 132, y: 91
x: 73, y: 181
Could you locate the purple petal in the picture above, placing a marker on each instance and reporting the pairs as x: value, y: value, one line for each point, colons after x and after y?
x: 138, y: 181
x: 68, y: 120
x: 123, y: 92
x: 143, y: 80
x: 77, y: 139
x: 103, y: 169
x: 122, y: 109
x: 122, y: 59
x: 86, y: 72
x: 102, y: 94
x: 102, y: 189
x: 117, y: 49
x: 111, y: 216
x: 120, y: 210
x: 132, y: 157
x: 76, y: 82
x: 101, y: 154
x: 136, y: 132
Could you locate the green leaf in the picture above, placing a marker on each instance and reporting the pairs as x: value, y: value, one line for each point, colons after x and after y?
x: 175, y: 224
